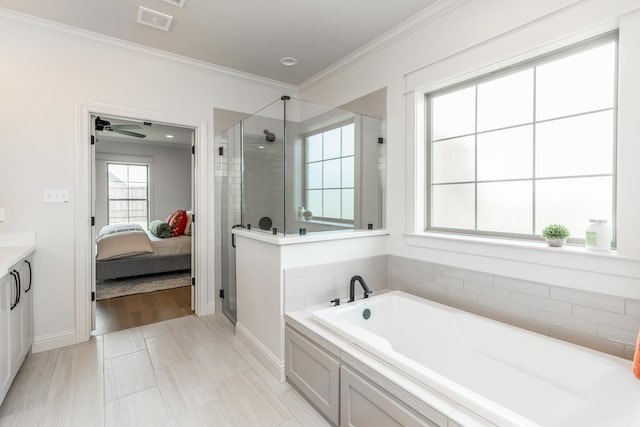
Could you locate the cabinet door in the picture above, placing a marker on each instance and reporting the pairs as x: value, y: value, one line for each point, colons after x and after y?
x: 362, y: 404
x: 26, y: 301
x: 6, y: 294
x: 315, y: 372
x: 15, y: 328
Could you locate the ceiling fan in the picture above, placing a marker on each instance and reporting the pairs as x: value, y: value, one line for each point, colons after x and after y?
x: 104, y: 125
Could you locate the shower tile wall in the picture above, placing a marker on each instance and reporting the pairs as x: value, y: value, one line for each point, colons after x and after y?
x: 263, y: 173
x: 317, y: 284
x: 602, y: 322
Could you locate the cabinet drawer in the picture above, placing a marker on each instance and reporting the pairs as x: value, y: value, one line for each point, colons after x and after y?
x: 315, y: 372
x: 362, y: 404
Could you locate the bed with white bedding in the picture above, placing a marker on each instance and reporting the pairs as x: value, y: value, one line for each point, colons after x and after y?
x: 126, y: 250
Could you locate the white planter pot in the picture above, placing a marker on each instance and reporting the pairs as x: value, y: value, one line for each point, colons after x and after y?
x: 556, y: 242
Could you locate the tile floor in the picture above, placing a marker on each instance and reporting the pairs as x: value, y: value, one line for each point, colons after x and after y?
x: 190, y: 371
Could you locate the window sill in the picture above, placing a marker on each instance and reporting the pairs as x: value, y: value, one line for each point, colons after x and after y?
x: 323, y: 222
x: 570, y: 266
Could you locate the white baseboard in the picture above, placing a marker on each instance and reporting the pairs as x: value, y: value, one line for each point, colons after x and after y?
x: 275, y: 366
x: 209, y: 309
x: 52, y: 341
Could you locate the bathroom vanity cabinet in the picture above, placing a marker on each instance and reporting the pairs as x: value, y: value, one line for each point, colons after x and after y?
x: 340, y: 393
x: 16, y: 321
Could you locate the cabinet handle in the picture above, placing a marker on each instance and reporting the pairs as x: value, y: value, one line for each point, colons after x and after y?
x: 30, y: 276
x: 15, y: 281
x: 17, y: 273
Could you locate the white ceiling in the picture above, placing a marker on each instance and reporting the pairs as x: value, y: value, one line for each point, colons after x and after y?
x: 156, y: 133
x: 246, y: 35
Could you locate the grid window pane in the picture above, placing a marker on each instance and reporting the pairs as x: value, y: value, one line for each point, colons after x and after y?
x: 314, y: 175
x: 331, y: 203
x: 581, y: 145
x: 332, y: 144
x: 506, y: 101
x: 506, y: 207
x: 128, y: 193
x: 572, y: 201
x: 506, y: 154
x: 314, y: 202
x: 137, y: 174
x: 330, y: 173
x: 454, y: 114
x: 314, y: 148
x: 347, y: 204
x: 453, y: 160
x: 138, y: 191
x: 118, y: 173
x: 576, y: 84
x: 514, y: 153
x: 118, y: 193
x: 453, y: 206
x: 348, y: 173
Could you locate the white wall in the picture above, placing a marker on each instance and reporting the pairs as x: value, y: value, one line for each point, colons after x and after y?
x: 262, y: 260
x: 169, y: 175
x: 45, y: 75
x: 465, y: 38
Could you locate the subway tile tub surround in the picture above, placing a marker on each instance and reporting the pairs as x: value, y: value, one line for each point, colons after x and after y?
x: 602, y: 322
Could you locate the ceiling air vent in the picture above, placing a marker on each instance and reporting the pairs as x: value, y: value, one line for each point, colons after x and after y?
x: 179, y: 3
x: 154, y: 19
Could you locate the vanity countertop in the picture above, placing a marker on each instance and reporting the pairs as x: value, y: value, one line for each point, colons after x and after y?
x: 13, y: 248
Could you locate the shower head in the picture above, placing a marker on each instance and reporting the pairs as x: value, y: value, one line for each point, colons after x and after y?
x: 269, y: 136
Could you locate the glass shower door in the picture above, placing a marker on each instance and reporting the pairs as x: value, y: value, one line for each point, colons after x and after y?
x: 230, y: 216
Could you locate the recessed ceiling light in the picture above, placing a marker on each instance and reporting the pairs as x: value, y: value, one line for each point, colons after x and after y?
x: 169, y: 136
x: 260, y: 146
x: 288, y: 61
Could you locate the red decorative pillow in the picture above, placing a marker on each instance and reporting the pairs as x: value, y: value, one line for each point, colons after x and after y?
x: 177, y: 221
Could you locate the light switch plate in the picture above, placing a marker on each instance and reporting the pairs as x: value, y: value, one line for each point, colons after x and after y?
x: 56, y: 195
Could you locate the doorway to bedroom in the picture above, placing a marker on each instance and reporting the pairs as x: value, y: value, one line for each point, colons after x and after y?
x: 143, y: 197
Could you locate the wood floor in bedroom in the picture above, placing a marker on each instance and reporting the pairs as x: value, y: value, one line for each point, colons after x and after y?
x: 120, y: 313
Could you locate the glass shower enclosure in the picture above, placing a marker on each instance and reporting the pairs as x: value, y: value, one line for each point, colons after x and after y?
x: 307, y: 168
x: 296, y: 168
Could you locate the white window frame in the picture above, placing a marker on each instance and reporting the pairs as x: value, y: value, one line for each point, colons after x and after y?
x: 318, y: 131
x: 475, y: 81
x: 148, y: 166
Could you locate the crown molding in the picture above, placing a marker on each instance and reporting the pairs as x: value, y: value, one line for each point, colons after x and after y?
x: 419, y: 20
x: 78, y: 34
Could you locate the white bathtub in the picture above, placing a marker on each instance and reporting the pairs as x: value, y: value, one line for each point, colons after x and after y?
x: 505, y: 374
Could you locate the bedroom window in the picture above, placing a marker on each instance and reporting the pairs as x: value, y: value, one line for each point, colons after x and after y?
x: 128, y: 193
x: 527, y: 146
x: 330, y: 176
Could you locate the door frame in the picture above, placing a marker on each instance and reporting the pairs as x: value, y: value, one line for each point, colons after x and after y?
x: 83, y: 229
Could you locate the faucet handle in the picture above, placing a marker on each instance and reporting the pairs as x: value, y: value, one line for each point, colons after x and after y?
x: 335, y: 301
x: 366, y: 293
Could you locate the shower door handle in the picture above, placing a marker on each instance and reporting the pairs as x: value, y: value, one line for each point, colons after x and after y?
x: 233, y: 236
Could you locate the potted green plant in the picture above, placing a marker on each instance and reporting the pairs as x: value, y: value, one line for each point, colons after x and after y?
x: 555, y: 234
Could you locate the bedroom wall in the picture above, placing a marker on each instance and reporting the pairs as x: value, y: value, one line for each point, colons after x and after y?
x: 46, y: 73
x: 170, y: 175
x: 462, y: 37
